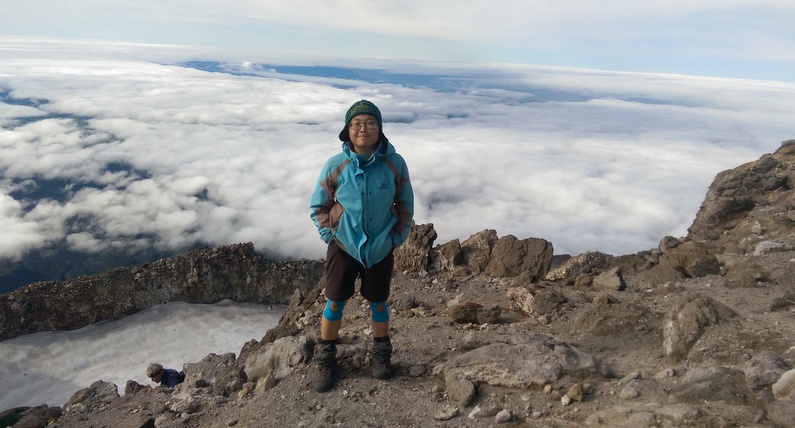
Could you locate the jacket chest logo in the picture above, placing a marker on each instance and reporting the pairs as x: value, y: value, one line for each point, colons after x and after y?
x: 384, y: 186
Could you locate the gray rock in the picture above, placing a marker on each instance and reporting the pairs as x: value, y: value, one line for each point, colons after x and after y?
x: 781, y: 412
x: 768, y: 246
x: 30, y: 417
x: 476, y: 250
x: 511, y: 257
x: 678, y: 414
x: 98, y: 395
x: 459, y: 389
x: 533, y: 301
x: 586, y: 264
x: 687, y: 320
x: 503, y: 416
x: 447, y: 413
x: 471, y: 312
x: 763, y: 370
x: 446, y: 257
x: 713, y: 384
x: 628, y: 392
x: 220, y: 371
x: 785, y: 385
x: 611, y: 280
x: 278, y: 359
x: 413, y: 255
x: 532, y: 363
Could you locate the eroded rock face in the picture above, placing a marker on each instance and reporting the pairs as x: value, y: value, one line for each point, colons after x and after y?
x: 749, y: 204
x: 207, y: 275
x: 413, y: 254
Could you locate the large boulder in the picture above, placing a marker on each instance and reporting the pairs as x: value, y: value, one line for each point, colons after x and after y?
x: 511, y: 257
x: 687, y: 320
x: 413, y: 255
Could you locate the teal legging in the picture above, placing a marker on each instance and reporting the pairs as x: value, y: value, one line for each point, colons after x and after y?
x: 379, y: 315
x: 333, y: 315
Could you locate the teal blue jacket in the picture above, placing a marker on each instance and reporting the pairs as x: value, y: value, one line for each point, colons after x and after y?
x: 365, y: 206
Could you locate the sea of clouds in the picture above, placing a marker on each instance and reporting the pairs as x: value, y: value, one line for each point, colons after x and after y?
x: 49, y: 367
x: 151, y: 151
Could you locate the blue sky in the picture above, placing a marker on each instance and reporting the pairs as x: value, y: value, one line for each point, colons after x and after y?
x: 741, y: 38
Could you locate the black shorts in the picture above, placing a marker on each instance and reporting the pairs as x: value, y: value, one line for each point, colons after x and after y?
x: 342, y: 270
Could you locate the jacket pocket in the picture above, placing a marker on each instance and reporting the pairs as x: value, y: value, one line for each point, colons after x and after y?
x: 335, y: 214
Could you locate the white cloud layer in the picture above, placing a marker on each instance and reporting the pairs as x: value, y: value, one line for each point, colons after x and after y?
x: 587, y: 159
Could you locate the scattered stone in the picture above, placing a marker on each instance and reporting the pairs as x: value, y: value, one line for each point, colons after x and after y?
x: 447, y: 414
x: 459, y: 389
x: 576, y: 392
x: 265, y: 383
x: 628, y: 392
x: 664, y: 373
x: 503, y: 416
x: 464, y: 312
x: 484, y: 412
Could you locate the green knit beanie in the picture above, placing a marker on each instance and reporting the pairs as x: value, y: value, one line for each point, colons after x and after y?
x: 361, y: 107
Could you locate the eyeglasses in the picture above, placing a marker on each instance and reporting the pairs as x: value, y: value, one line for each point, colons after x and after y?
x: 357, y: 125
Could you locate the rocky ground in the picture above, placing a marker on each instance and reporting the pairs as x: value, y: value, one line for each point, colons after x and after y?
x: 636, y: 387
x: 699, y: 332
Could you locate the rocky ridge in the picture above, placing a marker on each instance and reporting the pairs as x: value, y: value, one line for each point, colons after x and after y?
x: 492, y: 330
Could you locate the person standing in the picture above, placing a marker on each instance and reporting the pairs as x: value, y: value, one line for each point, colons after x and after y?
x: 362, y: 206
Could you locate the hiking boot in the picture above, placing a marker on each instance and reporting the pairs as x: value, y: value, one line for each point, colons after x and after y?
x: 326, y: 366
x: 381, y: 360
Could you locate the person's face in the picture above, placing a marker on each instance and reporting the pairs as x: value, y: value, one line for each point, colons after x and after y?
x: 363, y: 131
x: 157, y: 378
